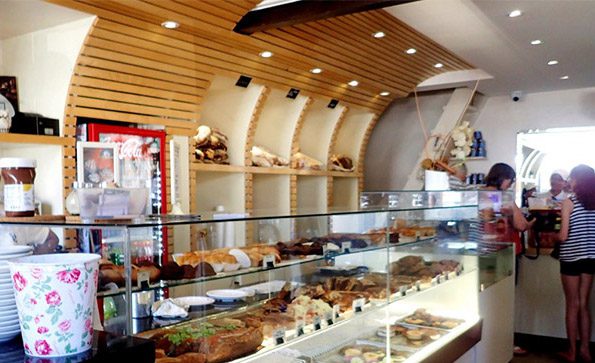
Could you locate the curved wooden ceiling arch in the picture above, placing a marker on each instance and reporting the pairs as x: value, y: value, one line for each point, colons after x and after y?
x: 131, y: 69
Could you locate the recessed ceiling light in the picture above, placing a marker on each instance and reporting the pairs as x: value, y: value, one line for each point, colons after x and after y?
x: 379, y: 35
x: 411, y: 51
x: 384, y: 93
x: 564, y: 77
x: 515, y: 13
x: 170, y: 24
x: 353, y: 83
x: 316, y: 70
x: 536, y: 42
x: 552, y: 62
x: 438, y: 65
x: 266, y: 54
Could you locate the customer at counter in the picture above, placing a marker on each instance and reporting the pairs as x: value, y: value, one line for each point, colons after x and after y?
x: 577, y: 260
x: 500, y: 178
x: 556, y: 194
x: 506, y: 228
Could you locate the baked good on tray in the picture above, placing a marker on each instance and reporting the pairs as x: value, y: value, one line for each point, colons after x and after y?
x: 422, y: 317
x: 215, y: 341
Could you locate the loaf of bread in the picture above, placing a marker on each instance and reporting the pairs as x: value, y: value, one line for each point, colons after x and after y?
x: 210, y: 145
x: 303, y: 161
x: 260, y: 156
x: 341, y: 162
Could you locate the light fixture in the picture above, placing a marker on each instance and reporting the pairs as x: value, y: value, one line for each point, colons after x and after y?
x: 170, y: 24
x: 536, y: 42
x: 316, y: 70
x: 438, y: 65
x: 564, y: 77
x: 515, y: 13
x: 411, y: 51
x: 379, y: 35
x: 353, y: 83
x: 266, y: 54
x: 384, y: 93
x: 552, y: 62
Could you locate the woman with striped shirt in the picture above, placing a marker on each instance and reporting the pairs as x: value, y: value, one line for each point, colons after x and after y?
x: 577, y: 259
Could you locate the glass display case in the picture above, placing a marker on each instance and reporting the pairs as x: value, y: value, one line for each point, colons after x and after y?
x: 381, y: 284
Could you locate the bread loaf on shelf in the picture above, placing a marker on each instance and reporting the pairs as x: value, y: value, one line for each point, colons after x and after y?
x: 262, y: 157
x: 340, y: 162
x: 210, y: 145
x: 303, y: 161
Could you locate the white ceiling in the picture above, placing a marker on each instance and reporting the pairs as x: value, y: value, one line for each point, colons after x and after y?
x: 18, y: 17
x: 481, y: 32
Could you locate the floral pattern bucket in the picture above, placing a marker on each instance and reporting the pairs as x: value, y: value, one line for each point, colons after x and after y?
x: 55, y: 299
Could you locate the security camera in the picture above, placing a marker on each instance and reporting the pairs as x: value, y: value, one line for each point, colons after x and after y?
x: 516, y: 95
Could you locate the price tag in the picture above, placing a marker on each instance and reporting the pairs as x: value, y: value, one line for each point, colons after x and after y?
x: 403, y: 290
x: 316, y: 322
x: 452, y: 275
x: 459, y: 269
x: 446, y: 277
x: 328, y: 316
x: 435, y: 281
x: 279, y: 336
x: 142, y: 279
x: 268, y: 261
x: 299, y: 327
x: 417, y: 285
x: 358, y: 305
x: 439, y: 279
x: 345, y: 247
x: 336, y: 311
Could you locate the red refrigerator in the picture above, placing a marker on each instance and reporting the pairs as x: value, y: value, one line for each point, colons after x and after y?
x: 142, y: 159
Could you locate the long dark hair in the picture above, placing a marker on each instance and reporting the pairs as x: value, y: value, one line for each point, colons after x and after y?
x: 499, y: 173
x: 584, y: 187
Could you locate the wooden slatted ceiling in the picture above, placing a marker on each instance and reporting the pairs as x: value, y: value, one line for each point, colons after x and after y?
x: 128, y: 48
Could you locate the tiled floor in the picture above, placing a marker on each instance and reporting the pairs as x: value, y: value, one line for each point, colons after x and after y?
x: 536, y: 358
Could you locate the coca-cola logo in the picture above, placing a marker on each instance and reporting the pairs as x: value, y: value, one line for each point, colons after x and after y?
x: 131, y: 149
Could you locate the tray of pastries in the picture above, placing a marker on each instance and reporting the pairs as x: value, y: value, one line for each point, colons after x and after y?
x: 364, y: 353
x: 408, y: 335
x: 422, y: 318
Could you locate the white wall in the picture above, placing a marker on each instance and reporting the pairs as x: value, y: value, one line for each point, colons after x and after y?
x: 43, y: 62
x: 501, y: 119
x: 397, y: 140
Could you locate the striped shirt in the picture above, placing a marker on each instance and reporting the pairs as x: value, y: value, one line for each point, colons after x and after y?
x: 581, y: 234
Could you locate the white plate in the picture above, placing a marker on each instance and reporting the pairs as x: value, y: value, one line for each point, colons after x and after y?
x: 11, y: 250
x: 228, y: 267
x: 8, y: 300
x: 272, y: 286
x: 227, y: 295
x: 12, y: 318
x: 241, y: 256
x: 6, y: 286
x: 9, y: 325
x: 6, y: 293
x: 193, y: 300
x: 9, y: 335
x: 5, y: 258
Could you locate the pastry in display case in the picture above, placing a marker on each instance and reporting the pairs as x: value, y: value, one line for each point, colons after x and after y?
x: 351, y: 290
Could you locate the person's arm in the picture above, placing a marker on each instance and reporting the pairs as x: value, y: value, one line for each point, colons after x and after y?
x: 567, y: 207
x: 519, y: 221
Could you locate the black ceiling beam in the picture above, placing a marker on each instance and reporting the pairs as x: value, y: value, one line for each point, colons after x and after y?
x: 305, y: 11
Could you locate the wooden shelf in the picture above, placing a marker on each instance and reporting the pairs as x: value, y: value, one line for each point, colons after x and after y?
x: 222, y: 168
x: 473, y: 158
x: 35, y: 139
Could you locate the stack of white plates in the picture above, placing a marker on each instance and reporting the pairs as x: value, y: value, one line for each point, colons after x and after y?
x: 9, y: 318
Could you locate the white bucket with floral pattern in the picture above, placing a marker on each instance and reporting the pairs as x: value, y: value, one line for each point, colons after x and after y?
x: 55, y: 299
